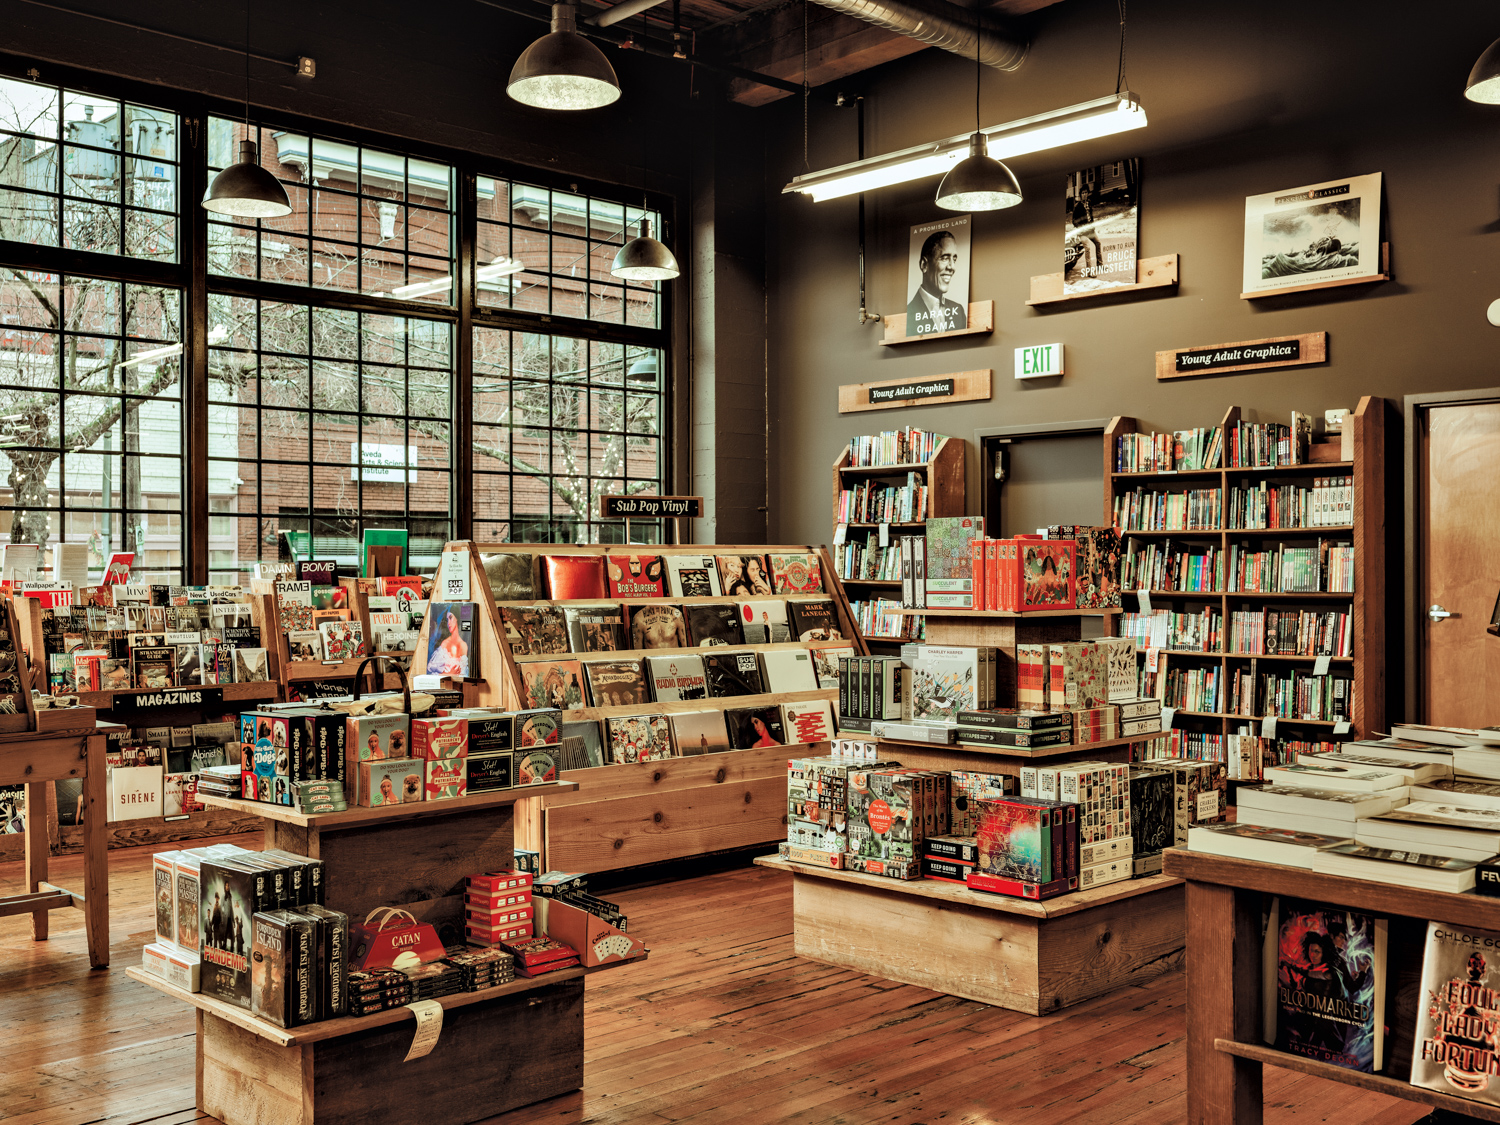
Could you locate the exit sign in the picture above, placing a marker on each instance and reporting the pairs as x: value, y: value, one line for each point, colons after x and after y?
x: 1039, y: 361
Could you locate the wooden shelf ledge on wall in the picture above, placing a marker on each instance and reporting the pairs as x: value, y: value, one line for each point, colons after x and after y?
x: 1385, y: 274
x: 1151, y: 273
x: 981, y: 322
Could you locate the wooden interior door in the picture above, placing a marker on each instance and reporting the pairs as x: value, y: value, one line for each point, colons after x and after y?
x: 1458, y: 512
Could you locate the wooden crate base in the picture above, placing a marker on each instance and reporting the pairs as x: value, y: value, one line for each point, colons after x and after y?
x: 1026, y: 964
x: 491, y: 1058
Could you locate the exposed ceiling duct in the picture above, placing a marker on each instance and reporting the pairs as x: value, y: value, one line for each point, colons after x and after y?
x: 938, y: 24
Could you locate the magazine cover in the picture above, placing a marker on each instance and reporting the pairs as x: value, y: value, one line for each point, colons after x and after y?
x: 1047, y: 573
x: 1323, y: 232
x: 294, y: 605
x: 637, y: 576
x: 937, y: 276
x: 450, y: 640
x: 657, y: 626
x: 1325, y: 979
x: 552, y: 683
x: 694, y: 576
x: 1099, y: 233
x: 615, y: 683
x: 639, y: 738
x: 744, y: 576
x: 796, y: 574
x: 342, y: 640
x: 713, y: 623
x: 1458, y: 1014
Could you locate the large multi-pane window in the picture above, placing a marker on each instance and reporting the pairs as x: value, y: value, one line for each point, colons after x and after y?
x: 558, y: 423
x: 332, y: 407
x: 332, y: 421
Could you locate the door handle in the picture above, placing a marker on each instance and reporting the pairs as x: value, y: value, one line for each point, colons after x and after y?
x: 1437, y: 612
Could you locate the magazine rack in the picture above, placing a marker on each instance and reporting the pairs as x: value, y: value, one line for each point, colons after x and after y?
x: 627, y: 815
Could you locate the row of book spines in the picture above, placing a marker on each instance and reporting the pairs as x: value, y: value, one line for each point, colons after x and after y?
x: 1194, y: 689
x: 893, y: 447
x: 1328, y: 503
x: 1296, y: 695
x: 1247, y: 445
x: 1158, y: 567
x: 1328, y: 568
x: 1251, y: 632
x: 858, y: 560
x: 874, y: 687
x: 871, y: 503
x: 1144, y: 510
x: 881, y: 618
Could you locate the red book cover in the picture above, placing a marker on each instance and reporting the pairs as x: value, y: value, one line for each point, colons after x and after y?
x: 637, y: 576
x: 992, y: 574
x: 976, y: 571
x: 573, y: 576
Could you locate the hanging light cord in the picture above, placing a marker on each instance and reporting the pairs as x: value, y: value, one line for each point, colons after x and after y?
x: 979, y: 66
x: 806, y: 89
x: 1120, y: 78
x: 247, y: 66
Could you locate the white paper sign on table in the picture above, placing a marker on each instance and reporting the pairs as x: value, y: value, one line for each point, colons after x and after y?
x: 452, y: 577
x: 885, y: 535
x: 429, y: 1015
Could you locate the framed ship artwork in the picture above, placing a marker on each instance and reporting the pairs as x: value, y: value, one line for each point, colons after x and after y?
x: 1326, y: 233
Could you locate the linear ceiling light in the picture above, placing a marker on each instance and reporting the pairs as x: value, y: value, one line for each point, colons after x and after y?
x: 1102, y: 117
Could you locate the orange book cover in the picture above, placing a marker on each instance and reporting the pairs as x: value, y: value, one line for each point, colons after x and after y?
x: 573, y: 576
x: 991, y: 573
x: 976, y: 573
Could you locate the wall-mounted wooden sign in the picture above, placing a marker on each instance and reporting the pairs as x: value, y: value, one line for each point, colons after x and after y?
x: 961, y: 386
x: 1247, y: 355
x: 651, y: 507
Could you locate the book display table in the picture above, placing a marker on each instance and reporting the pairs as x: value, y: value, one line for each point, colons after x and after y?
x: 1226, y: 1053
x: 1032, y: 957
x: 37, y: 759
x: 500, y: 1048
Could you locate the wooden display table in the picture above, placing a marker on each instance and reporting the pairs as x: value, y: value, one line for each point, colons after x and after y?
x: 500, y: 1048
x: 414, y: 856
x: 1032, y: 957
x: 37, y: 759
x: 1225, y: 1050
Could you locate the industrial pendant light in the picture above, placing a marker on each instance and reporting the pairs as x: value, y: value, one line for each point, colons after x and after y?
x: 978, y: 182
x: 246, y: 190
x: 1484, y: 80
x: 645, y: 259
x: 562, y: 69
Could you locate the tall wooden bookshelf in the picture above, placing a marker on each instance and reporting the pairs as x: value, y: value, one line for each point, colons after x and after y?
x: 1366, y: 604
x: 634, y: 814
x: 944, y: 477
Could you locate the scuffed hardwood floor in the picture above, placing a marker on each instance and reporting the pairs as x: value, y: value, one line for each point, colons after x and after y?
x: 723, y: 1025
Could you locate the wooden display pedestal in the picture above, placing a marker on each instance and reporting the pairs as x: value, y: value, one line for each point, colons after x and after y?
x: 492, y: 1057
x: 1032, y: 957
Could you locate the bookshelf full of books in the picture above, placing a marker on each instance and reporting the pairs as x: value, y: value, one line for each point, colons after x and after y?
x: 885, y: 487
x: 684, y: 672
x: 1252, y: 567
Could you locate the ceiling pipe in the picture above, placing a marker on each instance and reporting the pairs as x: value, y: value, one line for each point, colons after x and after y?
x: 938, y: 24
x: 622, y: 11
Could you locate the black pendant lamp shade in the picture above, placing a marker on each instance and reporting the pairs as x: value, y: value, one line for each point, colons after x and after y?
x: 246, y: 190
x: 978, y: 182
x: 645, y: 259
x: 1484, y: 80
x: 562, y: 69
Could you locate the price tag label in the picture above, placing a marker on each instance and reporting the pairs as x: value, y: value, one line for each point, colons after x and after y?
x: 1167, y: 715
x: 841, y: 535
x: 1342, y: 727
x: 1320, y: 666
x: 1153, y: 659
x: 452, y: 577
x: 885, y: 535
x: 429, y: 1015
x: 1268, y: 727
x: 1144, y: 597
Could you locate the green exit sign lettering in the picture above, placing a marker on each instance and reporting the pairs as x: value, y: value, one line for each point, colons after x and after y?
x: 1040, y: 361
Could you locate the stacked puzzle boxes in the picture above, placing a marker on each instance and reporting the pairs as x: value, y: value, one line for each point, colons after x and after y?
x: 1101, y: 790
x: 891, y: 814
x: 498, y: 907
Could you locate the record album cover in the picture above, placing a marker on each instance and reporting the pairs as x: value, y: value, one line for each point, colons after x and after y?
x: 755, y: 726
x: 796, y: 573
x: 732, y: 673
x: 638, y: 738
x: 637, y: 576
x: 657, y: 626
x: 615, y: 683
x: 535, y: 630
x: 595, y: 628
x: 552, y: 683
x: 713, y: 623
x: 744, y: 576
x: 694, y: 576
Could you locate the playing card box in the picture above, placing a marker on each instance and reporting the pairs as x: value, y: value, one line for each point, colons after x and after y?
x: 597, y: 942
x: 499, y: 935
x: 495, y: 919
x: 496, y: 882
x: 490, y: 773
x: 555, y: 884
x: 175, y: 966
x: 496, y: 900
x: 538, y: 951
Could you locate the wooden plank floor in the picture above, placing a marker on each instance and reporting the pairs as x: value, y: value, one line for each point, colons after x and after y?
x: 722, y: 1025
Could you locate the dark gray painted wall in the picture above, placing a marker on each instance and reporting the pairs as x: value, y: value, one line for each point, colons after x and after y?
x: 1243, y: 97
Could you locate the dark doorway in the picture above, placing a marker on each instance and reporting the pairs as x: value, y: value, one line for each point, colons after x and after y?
x: 1036, y: 476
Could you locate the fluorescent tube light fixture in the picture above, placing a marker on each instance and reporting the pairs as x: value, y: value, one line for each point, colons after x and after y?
x: 1102, y: 117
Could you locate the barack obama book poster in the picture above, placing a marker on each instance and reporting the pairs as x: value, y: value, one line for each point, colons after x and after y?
x: 937, y: 279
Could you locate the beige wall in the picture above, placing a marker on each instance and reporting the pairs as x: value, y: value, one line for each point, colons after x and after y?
x: 1243, y: 98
